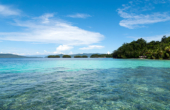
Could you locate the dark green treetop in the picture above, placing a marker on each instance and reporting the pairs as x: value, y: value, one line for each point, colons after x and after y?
x: 53, y: 56
x: 66, y: 56
x: 152, y: 50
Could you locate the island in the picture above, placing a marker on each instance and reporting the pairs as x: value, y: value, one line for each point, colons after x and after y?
x: 14, y: 56
x: 78, y: 56
x: 66, y: 56
x: 143, y: 49
x: 53, y: 56
x: 101, y: 56
x: 87, y: 55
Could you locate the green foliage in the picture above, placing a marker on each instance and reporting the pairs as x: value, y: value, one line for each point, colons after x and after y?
x: 101, y: 56
x: 152, y: 50
x: 53, y: 56
x: 78, y: 56
x: 167, y: 55
x: 84, y: 56
x: 66, y: 56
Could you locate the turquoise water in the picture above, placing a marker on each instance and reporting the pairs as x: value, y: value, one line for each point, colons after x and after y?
x: 84, y: 84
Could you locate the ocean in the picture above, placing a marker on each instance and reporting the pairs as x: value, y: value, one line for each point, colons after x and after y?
x: 84, y: 84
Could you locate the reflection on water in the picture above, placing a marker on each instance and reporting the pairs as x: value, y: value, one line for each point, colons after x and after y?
x: 141, y: 88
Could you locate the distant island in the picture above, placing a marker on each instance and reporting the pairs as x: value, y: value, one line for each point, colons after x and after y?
x: 53, y: 56
x: 58, y: 56
x: 78, y: 56
x: 66, y: 56
x: 142, y: 49
x: 12, y: 56
x: 82, y: 56
x: 16, y: 56
x: 101, y: 56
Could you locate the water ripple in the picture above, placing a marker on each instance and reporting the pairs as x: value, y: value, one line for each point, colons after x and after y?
x: 98, y: 89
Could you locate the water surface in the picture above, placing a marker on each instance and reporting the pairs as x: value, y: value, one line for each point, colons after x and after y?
x: 84, y: 84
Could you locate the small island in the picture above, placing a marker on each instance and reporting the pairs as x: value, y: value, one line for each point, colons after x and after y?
x: 142, y: 49
x: 53, y: 56
x: 78, y: 56
x: 66, y: 56
x: 101, y: 56
x: 82, y: 56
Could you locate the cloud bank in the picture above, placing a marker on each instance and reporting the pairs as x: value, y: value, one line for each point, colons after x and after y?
x: 44, y: 29
x: 63, y: 47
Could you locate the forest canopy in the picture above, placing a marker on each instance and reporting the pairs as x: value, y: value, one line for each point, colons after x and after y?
x: 53, y: 56
x: 152, y: 50
x: 66, y: 56
x: 78, y: 56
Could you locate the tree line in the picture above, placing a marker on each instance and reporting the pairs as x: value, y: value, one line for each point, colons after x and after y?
x: 57, y: 56
x: 78, y: 56
x: 101, y: 56
x: 83, y: 56
x: 152, y: 50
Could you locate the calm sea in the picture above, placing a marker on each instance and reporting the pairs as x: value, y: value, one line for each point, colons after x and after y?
x: 84, y: 84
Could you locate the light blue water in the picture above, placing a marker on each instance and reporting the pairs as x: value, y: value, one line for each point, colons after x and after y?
x: 84, y: 84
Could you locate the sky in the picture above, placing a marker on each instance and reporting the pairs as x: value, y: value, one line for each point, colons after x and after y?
x: 43, y: 27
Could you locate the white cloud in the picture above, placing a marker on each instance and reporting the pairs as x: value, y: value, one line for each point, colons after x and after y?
x: 8, y: 11
x: 92, y: 47
x: 132, y: 20
x: 55, y: 31
x: 57, y: 52
x: 63, y: 47
x: 79, y: 15
x: 45, y: 17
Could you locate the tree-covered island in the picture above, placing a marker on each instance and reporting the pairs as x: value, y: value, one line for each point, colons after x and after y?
x: 101, y: 56
x: 140, y: 48
x: 78, y: 56
x: 53, y: 56
x: 66, y: 56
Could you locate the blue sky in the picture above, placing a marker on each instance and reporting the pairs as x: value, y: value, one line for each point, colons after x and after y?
x: 40, y: 27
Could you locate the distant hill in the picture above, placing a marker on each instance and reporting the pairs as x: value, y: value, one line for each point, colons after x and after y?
x: 12, y: 56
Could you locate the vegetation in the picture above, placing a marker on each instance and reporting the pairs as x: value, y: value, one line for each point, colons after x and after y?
x: 78, y: 56
x: 53, y: 56
x: 66, y: 56
x: 152, y: 50
x: 101, y: 56
x: 84, y: 56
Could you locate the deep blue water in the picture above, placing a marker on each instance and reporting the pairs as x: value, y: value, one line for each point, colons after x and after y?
x: 84, y: 84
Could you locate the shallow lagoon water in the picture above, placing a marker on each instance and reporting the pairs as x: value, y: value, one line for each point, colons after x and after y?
x: 84, y: 84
